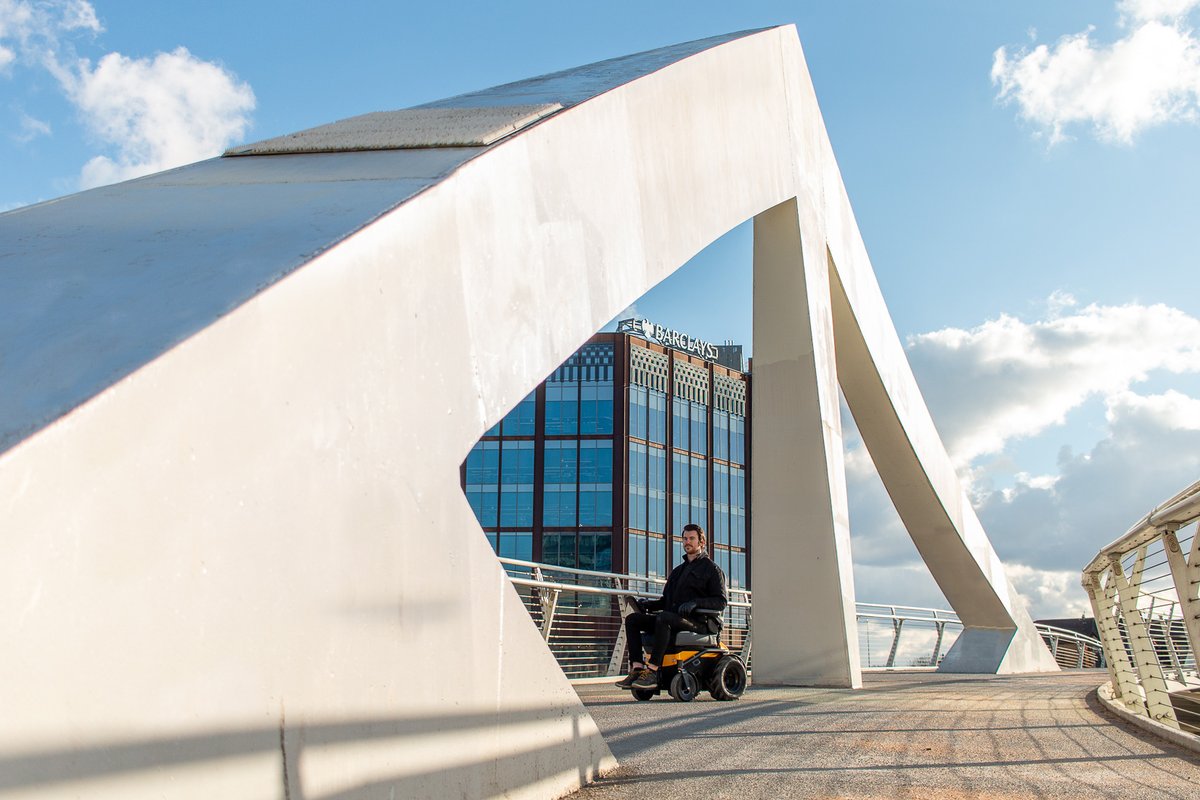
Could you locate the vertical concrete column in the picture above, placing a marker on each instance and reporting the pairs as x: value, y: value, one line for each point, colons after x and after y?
x: 805, y: 630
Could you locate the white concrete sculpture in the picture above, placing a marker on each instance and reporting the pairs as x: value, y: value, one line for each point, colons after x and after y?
x: 234, y: 398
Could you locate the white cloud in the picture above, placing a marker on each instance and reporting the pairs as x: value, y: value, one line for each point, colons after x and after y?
x: 158, y: 113
x: 1049, y: 594
x: 32, y: 30
x: 150, y: 113
x: 1146, y: 10
x: 1148, y: 78
x: 1007, y: 378
x: 31, y: 128
x: 1151, y: 450
x: 1044, y: 528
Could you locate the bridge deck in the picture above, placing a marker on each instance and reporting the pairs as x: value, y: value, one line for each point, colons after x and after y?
x: 905, y: 735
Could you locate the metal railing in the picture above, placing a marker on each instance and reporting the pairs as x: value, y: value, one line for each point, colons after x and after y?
x: 1143, y: 591
x: 580, y: 613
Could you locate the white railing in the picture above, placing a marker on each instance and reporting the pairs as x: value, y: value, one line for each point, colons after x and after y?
x: 580, y: 613
x: 1143, y: 591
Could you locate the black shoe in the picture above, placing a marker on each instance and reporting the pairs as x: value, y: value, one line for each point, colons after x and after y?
x: 646, y: 679
x: 628, y: 680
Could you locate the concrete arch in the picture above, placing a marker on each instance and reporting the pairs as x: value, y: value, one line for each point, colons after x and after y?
x: 236, y: 552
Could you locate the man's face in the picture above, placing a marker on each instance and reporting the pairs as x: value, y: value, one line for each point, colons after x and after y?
x: 691, y: 542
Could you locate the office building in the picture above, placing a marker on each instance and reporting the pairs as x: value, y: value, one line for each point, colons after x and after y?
x: 638, y: 433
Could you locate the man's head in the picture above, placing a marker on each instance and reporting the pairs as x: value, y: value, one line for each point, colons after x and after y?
x: 693, y: 539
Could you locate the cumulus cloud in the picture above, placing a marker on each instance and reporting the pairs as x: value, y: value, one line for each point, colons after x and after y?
x: 157, y: 112
x: 34, y: 30
x: 149, y: 113
x: 1049, y: 594
x: 1007, y: 378
x: 1152, y: 449
x: 1044, y: 528
x: 1149, y: 77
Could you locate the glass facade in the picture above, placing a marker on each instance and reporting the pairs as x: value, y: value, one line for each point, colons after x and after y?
x: 602, y: 466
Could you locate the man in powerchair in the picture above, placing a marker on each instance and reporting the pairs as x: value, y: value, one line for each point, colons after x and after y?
x: 697, y: 582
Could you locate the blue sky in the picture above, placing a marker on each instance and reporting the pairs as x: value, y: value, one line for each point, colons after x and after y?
x: 1031, y: 211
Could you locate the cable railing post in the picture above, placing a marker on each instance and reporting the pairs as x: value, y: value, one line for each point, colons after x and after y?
x: 549, y: 602
x: 937, y: 645
x: 1120, y: 671
x: 625, y: 606
x: 1154, y: 684
x: 1185, y: 574
x: 897, y: 624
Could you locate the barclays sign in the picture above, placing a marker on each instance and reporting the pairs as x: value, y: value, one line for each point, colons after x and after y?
x: 669, y: 338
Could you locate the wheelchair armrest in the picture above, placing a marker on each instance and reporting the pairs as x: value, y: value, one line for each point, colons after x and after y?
x: 708, y: 612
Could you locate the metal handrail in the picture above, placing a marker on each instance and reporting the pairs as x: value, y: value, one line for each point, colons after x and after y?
x: 582, y: 623
x: 1149, y: 619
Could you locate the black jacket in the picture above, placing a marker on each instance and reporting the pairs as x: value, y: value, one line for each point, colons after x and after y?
x: 699, y: 579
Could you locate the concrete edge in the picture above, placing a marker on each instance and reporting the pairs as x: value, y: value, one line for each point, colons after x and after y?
x: 1185, y: 740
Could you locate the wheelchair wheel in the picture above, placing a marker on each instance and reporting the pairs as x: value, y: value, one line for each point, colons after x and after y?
x: 728, y: 679
x: 642, y: 695
x: 684, y: 686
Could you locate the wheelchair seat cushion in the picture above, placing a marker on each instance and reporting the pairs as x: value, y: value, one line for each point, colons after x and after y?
x: 683, y: 639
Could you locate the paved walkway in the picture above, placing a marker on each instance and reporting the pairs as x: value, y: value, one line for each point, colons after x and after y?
x: 905, y: 735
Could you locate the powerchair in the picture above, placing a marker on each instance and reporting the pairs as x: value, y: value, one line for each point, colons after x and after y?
x: 696, y: 662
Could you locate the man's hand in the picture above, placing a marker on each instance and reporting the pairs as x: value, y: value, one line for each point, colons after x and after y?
x: 687, y: 608
x: 641, y: 604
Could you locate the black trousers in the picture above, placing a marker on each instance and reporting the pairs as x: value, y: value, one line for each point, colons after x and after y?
x: 664, y: 624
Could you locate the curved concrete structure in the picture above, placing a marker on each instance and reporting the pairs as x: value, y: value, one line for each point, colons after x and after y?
x: 236, y: 559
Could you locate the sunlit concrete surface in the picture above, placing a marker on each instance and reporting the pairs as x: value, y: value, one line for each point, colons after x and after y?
x: 924, y: 736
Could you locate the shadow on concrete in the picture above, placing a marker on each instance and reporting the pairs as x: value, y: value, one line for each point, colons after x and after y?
x: 485, y: 777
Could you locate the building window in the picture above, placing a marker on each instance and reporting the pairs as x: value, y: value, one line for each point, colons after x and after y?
x: 583, y: 550
x: 483, y: 482
x: 596, y: 407
x: 680, y: 492
x: 516, y: 484
x: 559, y: 549
x: 720, y: 531
x: 638, y: 486
x: 737, y: 569
x: 699, y: 428
x: 680, y: 424
x: 721, y: 435
x: 699, y: 505
x: 637, y: 554
x: 520, y: 421
x: 595, y: 551
x: 518, y: 545
x: 737, y: 506
x: 637, y: 412
x: 656, y: 416
x: 656, y: 492
x: 562, y: 408
x: 737, y: 439
x: 560, y: 479
x: 595, y: 482
x: 656, y: 555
